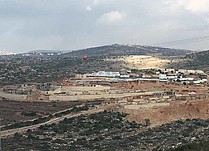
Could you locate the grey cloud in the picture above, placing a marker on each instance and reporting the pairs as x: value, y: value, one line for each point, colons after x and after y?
x: 68, y: 24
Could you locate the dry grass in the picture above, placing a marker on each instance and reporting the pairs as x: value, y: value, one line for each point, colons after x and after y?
x: 144, y: 62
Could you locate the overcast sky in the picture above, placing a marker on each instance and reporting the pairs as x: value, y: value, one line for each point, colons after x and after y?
x: 73, y: 24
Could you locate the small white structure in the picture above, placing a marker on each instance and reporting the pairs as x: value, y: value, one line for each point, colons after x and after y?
x: 104, y: 74
x: 192, y: 71
x: 174, y: 78
x: 200, y: 81
x: 186, y: 79
x: 124, y: 76
x: 163, y: 77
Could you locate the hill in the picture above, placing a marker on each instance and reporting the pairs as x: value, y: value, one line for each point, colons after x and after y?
x: 199, y: 60
x: 109, y: 50
x: 39, y: 66
x: 121, y: 50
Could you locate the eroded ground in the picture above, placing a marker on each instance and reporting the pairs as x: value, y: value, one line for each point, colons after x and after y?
x: 144, y: 62
x: 162, y: 113
x: 11, y: 111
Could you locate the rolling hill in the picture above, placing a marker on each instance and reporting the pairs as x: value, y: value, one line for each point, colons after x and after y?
x: 109, y: 50
x: 121, y: 50
x: 197, y: 61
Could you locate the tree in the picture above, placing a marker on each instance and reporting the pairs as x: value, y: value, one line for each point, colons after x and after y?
x: 17, y: 136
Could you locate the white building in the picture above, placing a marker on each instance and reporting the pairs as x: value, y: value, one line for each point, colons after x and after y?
x: 124, y: 76
x: 186, y: 79
x: 200, y: 81
x: 163, y: 77
x: 104, y: 74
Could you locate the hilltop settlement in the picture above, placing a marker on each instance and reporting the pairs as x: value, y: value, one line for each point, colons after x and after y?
x: 115, y: 102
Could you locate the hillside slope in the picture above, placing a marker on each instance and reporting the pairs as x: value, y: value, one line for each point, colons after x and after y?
x: 120, y: 50
x: 109, y: 50
x: 197, y: 61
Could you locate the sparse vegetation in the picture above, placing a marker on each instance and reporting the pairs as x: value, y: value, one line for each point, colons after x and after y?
x: 43, y: 119
x: 22, y: 69
x: 110, y: 131
x: 29, y: 113
x: 197, y: 61
x: 201, y: 146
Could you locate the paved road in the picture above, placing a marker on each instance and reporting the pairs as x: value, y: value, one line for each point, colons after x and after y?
x: 54, y: 120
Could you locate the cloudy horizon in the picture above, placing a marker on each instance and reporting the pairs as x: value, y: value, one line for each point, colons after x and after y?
x: 76, y: 24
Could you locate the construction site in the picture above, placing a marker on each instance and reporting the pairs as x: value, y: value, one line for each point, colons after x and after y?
x: 141, y: 98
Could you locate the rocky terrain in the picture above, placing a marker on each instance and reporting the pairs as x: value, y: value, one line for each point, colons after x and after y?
x: 167, y: 113
x: 13, y: 111
x: 109, y: 131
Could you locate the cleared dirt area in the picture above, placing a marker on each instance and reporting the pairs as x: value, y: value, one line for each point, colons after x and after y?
x: 11, y: 110
x: 166, y: 113
x: 93, y: 97
x: 13, y: 96
x: 145, y: 106
x: 144, y: 62
x: 161, y: 86
x: 83, y: 88
x: 83, y: 93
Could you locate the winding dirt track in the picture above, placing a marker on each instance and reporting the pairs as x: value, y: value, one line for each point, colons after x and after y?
x: 10, y: 132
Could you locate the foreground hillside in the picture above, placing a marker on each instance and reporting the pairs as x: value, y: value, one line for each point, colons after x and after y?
x: 109, y: 131
x: 201, y: 146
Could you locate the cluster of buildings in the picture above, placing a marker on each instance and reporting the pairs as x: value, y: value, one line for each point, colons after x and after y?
x: 164, y: 75
x: 183, y: 76
x: 122, y: 74
x: 160, y: 97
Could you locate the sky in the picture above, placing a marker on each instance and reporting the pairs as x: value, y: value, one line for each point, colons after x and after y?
x: 27, y: 25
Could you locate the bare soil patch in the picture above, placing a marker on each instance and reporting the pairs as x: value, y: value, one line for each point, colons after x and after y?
x: 145, y: 62
x: 167, y: 113
x: 160, y: 86
x: 11, y: 110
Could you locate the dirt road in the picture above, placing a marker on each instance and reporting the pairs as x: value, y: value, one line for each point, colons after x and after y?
x: 10, y: 132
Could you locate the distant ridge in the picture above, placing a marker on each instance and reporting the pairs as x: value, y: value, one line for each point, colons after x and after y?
x: 119, y: 50
x: 111, y: 50
x: 43, y: 53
